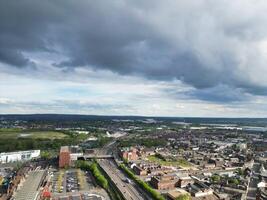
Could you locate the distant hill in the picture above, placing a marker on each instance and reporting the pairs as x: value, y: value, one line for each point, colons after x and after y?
x: 194, y: 120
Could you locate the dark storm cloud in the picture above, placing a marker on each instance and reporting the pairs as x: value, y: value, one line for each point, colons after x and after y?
x: 203, y: 43
x: 13, y: 57
x: 23, y: 28
x: 220, y: 94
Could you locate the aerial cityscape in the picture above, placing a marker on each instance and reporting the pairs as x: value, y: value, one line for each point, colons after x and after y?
x: 109, y: 157
x: 133, y: 100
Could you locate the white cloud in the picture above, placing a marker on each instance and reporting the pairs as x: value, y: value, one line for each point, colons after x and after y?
x: 172, y: 58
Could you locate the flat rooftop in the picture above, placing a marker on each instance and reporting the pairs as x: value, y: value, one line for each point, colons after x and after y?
x: 29, y: 189
x: 176, y: 193
x: 64, y: 149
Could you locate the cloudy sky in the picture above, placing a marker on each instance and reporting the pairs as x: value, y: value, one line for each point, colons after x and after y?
x: 129, y: 57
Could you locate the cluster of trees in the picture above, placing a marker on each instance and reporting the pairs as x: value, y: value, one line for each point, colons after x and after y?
x: 46, y: 155
x: 154, y: 194
x: 93, y: 167
x: 82, y: 164
x: 224, y: 180
x: 101, y: 180
x: 11, y: 144
x: 7, y: 145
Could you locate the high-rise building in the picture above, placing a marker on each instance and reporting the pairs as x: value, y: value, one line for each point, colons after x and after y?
x: 64, y: 157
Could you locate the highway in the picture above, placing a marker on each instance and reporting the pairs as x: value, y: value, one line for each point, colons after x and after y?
x: 254, y: 180
x: 128, y: 190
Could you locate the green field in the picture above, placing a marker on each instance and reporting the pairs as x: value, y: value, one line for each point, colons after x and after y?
x: 178, y: 163
x: 15, y: 134
x: 19, y: 139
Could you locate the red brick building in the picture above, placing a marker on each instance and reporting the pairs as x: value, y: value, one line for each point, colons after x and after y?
x: 164, y: 182
x: 64, y: 157
x: 140, y: 171
x: 129, y: 154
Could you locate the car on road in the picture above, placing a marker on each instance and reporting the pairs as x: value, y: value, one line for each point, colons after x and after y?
x: 127, y: 180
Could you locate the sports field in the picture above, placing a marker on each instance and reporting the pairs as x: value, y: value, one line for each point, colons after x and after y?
x: 15, y: 134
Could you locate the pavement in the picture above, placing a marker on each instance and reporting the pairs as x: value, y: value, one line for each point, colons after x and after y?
x: 254, y: 180
x: 128, y: 190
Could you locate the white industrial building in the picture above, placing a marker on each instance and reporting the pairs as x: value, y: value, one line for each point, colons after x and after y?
x: 19, y: 156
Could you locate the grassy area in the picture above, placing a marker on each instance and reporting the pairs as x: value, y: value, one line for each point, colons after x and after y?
x: 178, y: 163
x: 14, y: 134
x: 11, y: 133
x: 47, y: 135
x: 10, y: 129
x: 19, y: 139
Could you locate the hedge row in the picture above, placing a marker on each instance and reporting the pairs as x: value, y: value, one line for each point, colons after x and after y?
x: 101, y: 180
x: 154, y: 194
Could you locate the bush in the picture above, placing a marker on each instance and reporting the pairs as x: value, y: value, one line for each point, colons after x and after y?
x: 82, y: 164
x: 160, y: 156
x: 215, y: 178
x: 184, y: 197
x: 240, y: 172
x: 233, y: 181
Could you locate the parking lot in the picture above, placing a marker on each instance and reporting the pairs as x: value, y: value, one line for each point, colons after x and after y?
x: 75, y: 184
x: 90, y: 180
x: 58, y: 181
x: 72, y: 180
x: 72, y: 184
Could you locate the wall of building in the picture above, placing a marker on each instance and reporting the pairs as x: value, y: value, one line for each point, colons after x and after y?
x: 19, y: 156
x: 64, y: 159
